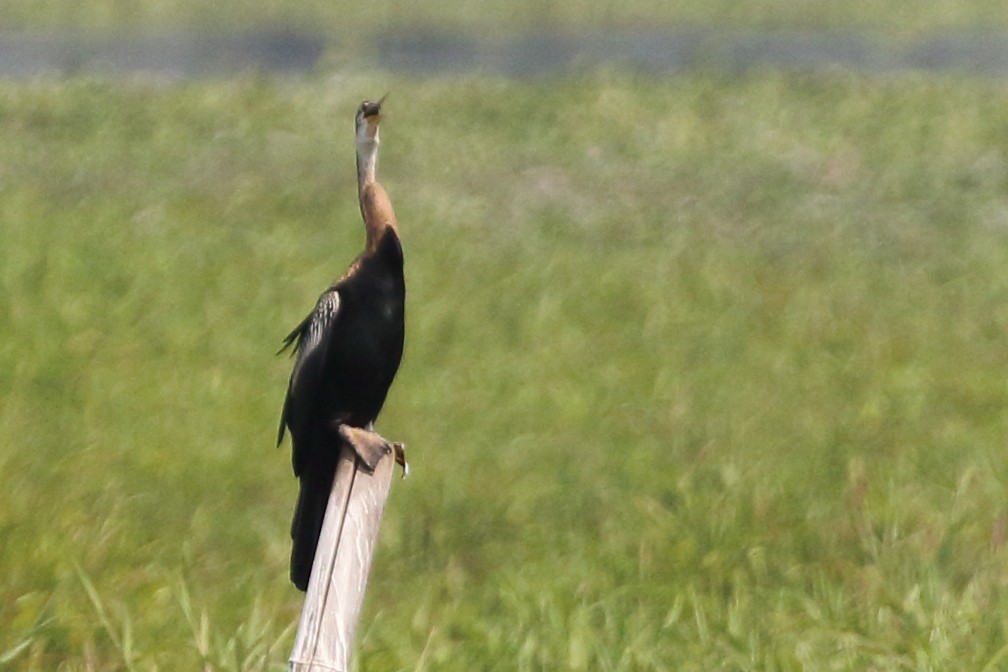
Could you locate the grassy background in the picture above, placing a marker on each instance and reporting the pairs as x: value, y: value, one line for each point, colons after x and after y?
x: 346, y: 19
x: 702, y: 373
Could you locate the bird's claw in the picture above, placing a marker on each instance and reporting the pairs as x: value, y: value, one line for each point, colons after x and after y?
x: 400, y: 458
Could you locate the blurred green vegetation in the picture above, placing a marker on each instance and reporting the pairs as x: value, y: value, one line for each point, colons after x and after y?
x: 701, y: 373
x: 348, y: 20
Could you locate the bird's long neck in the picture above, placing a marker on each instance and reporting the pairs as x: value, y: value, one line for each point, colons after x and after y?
x: 367, y: 162
x: 375, y: 206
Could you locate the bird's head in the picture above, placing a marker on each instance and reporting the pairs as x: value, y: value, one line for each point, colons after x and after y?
x: 368, y: 116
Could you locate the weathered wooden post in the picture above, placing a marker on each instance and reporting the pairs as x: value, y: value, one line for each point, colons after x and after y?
x: 345, y: 550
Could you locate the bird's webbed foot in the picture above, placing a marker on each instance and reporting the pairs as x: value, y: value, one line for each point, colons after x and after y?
x: 371, y: 447
x: 400, y: 457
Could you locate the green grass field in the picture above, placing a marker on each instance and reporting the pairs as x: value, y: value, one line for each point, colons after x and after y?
x: 701, y: 374
x: 347, y: 20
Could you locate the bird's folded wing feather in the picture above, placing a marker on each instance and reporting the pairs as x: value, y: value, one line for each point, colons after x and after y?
x: 311, y: 341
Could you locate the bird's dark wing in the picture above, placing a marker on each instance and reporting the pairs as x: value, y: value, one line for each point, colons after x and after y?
x: 311, y: 340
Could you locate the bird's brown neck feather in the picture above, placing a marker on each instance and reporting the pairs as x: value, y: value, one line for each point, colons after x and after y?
x: 375, y: 206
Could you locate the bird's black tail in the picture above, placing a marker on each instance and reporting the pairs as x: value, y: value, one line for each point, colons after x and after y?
x: 316, y: 483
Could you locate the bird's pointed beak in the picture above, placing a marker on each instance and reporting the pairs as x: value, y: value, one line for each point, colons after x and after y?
x: 369, y: 117
x: 373, y: 116
x: 372, y: 109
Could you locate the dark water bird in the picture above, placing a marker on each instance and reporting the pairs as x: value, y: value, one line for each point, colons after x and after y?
x: 347, y: 351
